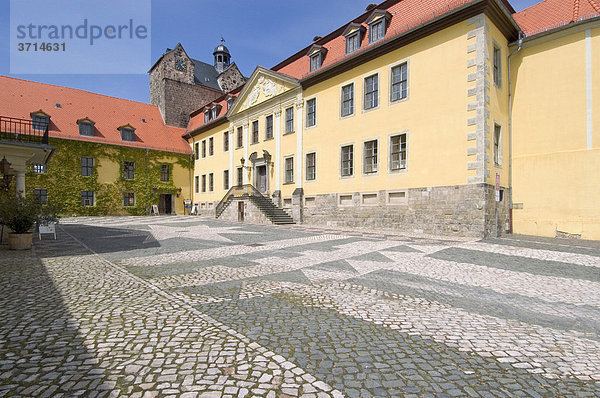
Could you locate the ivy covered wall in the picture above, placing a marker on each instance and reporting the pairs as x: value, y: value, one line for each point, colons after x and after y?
x: 64, y: 181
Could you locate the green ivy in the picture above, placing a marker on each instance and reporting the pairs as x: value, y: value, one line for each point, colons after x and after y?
x: 64, y: 182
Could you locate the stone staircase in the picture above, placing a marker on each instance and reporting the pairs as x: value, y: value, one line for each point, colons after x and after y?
x: 273, y: 213
x: 265, y: 205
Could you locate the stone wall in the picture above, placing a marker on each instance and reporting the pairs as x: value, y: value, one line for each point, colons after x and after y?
x: 231, y: 78
x: 466, y: 210
x: 181, y: 99
x: 175, y: 92
x: 206, y: 209
x: 503, y: 207
x: 252, y: 214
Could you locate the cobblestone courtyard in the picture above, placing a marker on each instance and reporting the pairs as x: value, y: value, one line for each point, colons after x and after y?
x: 189, y: 306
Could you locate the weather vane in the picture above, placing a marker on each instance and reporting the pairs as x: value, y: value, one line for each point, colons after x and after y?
x: 222, y: 39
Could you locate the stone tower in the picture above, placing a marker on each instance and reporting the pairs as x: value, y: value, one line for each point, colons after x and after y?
x: 180, y: 85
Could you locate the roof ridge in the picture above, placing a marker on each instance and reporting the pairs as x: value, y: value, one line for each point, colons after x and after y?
x: 77, y: 89
x: 594, y: 5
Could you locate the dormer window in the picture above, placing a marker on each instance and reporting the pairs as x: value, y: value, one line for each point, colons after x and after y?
x: 230, y: 100
x: 86, y: 127
x: 39, y: 121
x: 211, y: 112
x: 354, y: 33
x: 315, y: 62
x: 127, y: 133
x: 316, y: 55
x: 378, y: 23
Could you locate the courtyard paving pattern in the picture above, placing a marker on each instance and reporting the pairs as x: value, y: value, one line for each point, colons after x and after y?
x: 194, y: 307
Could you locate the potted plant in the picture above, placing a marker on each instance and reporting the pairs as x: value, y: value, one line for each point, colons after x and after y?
x: 20, y: 215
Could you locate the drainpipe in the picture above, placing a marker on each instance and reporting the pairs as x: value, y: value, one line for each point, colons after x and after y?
x: 510, y: 187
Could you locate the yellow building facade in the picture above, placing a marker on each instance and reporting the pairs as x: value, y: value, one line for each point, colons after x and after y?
x: 556, y: 124
x: 471, y: 120
x: 370, y: 142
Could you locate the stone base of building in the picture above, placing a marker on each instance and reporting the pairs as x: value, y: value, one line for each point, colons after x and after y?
x: 465, y: 210
x: 251, y: 213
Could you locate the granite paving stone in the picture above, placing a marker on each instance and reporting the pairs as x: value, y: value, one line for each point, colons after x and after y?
x: 188, y: 306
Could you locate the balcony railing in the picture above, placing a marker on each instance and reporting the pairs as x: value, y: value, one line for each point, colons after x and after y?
x: 23, y: 130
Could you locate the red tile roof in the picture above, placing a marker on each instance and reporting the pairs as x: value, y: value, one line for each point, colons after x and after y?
x: 552, y: 14
x: 19, y: 98
x: 197, y: 117
x: 405, y: 15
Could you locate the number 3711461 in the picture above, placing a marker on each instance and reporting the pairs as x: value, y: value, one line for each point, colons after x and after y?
x: 41, y: 46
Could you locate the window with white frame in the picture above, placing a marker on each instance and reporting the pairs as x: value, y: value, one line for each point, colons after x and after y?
x: 269, y: 127
x: 226, y: 179
x: 40, y: 195
x: 377, y: 30
x: 255, y: 131
x: 497, y: 63
x: 352, y: 42
x: 211, y: 182
x: 39, y: 122
x: 289, y: 120
x: 197, y: 150
x: 311, y: 112
x: 399, y: 82
x: 203, y: 148
x: 240, y: 176
x: 87, y: 166
x: 398, y: 152
x: 226, y: 141
x: 347, y: 160
x: 196, y: 184
x: 39, y: 168
x: 497, y: 138
x: 311, y: 166
x: 203, y: 182
x: 211, y: 146
x: 348, y: 99
x: 86, y: 128
x: 371, y: 92
x: 370, y: 157
x: 240, y: 137
x: 128, y: 199
x: 289, y: 170
x: 315, y: 61
x: 129, y: 170
x: 127, y: 134
x: 87, y: 198
x: 165, y: 172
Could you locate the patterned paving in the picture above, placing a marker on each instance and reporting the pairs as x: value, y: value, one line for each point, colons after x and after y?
x: 188, y: 306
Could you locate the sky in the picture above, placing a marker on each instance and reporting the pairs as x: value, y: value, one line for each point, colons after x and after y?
x: 257, y: 32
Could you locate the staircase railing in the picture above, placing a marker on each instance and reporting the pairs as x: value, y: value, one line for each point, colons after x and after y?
x: 237, y: 191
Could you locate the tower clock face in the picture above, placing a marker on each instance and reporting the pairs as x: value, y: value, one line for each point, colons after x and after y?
x: 180, y: 65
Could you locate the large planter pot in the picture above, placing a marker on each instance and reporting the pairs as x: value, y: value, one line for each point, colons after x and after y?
x: 19, y: 241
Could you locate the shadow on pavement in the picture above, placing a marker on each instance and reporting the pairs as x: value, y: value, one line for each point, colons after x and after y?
x: 41, y: 350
